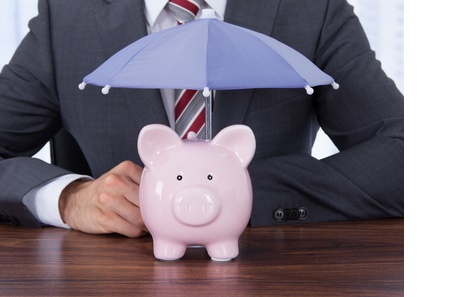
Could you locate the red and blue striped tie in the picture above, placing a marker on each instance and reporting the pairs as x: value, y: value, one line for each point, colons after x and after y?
x: 189, y: 104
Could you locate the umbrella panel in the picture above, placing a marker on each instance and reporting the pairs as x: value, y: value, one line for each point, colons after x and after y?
x: 208, y: 53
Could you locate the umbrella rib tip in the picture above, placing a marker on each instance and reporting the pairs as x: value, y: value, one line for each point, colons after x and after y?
x: 309, y: 90
x: 335, y: 85
x: 106, y: 89
x: 206, y: 92
x: 82, y: 85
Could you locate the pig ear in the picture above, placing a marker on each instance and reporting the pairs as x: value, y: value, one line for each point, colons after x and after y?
x: 155, y: 138
x: 239, y: 139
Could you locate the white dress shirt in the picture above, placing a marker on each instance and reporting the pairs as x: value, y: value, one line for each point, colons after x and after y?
x: 42, y: 201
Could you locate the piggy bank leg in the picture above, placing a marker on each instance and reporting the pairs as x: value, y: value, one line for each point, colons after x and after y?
x: 223, y: 250
x: 167, y: 250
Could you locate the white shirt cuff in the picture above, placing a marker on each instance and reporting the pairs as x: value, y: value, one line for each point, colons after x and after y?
x: 42, y: 201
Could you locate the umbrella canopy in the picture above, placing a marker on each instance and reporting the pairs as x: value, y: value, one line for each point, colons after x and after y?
x: 208, y: 54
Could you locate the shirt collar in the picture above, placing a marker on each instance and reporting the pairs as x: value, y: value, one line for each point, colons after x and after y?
x: 154, y: 7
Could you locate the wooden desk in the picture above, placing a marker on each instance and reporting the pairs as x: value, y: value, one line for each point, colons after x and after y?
x: 363, y: 258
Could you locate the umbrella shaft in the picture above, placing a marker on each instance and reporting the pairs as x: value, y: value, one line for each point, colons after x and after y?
x: 208, y: 116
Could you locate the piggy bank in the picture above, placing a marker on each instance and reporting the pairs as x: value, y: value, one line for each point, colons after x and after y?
x: 196, y: 192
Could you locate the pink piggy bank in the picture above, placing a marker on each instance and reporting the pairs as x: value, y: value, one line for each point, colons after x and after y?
x: 196, y: 192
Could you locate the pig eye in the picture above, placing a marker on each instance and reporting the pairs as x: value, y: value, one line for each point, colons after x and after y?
x: 210, y: 177
x: 179, y: 177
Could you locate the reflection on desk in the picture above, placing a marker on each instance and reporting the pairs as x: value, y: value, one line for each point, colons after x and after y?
x: 360, y: 258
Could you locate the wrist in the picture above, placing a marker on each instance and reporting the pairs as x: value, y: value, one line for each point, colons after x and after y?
x: 66, y: 199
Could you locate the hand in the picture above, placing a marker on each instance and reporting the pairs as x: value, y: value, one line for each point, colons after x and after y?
x: 106, y: 205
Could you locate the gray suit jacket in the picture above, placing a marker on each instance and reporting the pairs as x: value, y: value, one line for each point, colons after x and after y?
x: 364, y: 118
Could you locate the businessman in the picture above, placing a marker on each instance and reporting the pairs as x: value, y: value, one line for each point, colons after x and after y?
x: 69, y: 39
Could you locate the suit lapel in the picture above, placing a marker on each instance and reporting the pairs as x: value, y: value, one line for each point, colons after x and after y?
x: 231, y: 106
x: 254, y: 15
x: 120, y: 23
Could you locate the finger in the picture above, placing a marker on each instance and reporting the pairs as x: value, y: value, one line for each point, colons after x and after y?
x: 118, y: 224
x: 116, y: 184
x: 136, y: 174
x: 131, y: 170
x: 131, y: 193
x: 119, y: 215
x: 129, y: 212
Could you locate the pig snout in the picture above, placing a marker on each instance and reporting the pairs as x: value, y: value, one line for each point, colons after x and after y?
x: 196, y: 206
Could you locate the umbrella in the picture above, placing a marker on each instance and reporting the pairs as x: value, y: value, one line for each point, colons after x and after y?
x: 208, y: 54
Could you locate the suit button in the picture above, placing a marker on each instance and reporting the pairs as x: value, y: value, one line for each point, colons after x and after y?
x: 287, y: 214
x: 8, y: 220
x: 303, y: 213
x: 279, y: 214
x: 295, y: 214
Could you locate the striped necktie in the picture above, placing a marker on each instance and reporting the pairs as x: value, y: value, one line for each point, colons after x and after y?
x: 189, y: 104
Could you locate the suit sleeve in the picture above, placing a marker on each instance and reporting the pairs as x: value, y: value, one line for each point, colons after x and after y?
x: 29, y: 117
x: 364, y: 118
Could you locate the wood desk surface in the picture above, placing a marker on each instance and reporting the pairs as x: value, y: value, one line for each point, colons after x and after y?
x: 361, y: 258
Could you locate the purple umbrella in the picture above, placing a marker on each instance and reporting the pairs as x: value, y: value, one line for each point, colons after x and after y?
x: 208, y: 54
